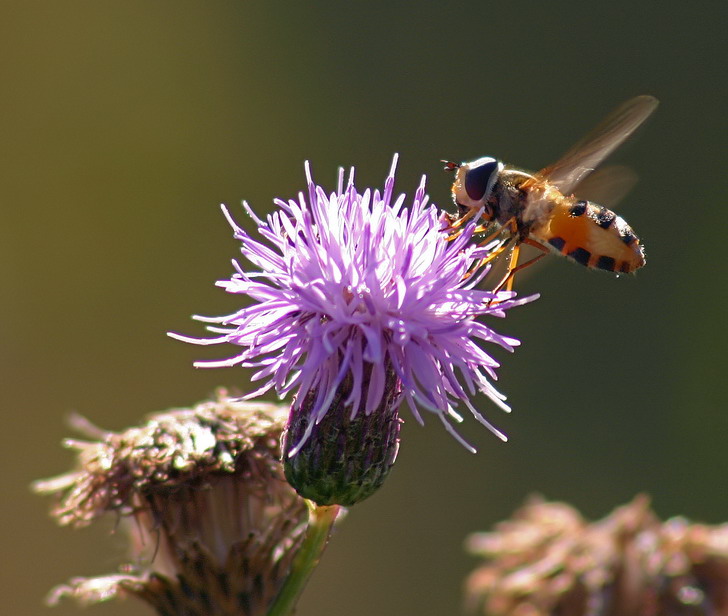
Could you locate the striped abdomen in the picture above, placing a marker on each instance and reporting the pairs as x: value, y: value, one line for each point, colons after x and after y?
x: 593, y: 236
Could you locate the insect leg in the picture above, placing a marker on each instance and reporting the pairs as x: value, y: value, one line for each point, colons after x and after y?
x: 496, y: 252
x: 499, y: 249
x: 513, y: 266
x: 461, y: 221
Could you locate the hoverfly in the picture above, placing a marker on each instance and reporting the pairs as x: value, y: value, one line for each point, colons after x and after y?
x: 540, y: 209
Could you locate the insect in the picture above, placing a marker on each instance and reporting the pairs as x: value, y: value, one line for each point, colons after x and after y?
x: 540, y: 209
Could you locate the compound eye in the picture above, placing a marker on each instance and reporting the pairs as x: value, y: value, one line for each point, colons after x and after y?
x: 480, y: 177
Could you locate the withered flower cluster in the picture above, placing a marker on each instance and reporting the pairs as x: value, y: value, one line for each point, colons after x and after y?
x: 547, y: 560
x: 213, y: 524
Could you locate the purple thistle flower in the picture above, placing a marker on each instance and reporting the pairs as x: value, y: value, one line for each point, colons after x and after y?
x: 351, y: 288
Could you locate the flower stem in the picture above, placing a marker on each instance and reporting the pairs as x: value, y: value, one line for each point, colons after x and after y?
x: 321, y: 521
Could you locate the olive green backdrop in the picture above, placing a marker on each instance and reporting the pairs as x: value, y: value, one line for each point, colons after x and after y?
x: 124, y: 125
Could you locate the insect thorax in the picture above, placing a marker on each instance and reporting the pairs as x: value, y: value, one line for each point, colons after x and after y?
x: 510, y: 200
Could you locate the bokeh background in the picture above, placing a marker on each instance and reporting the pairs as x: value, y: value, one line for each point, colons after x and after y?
x: 124, y: 125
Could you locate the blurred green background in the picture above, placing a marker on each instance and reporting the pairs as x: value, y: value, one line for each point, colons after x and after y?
x: 124, y: 125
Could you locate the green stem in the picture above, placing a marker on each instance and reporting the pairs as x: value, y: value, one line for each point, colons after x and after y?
x: 320, y: 522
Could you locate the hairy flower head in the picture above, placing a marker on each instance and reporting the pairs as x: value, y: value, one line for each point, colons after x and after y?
x: 360, y: 293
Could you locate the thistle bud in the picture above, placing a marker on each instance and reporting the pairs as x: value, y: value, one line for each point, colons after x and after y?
x: 345, y: 456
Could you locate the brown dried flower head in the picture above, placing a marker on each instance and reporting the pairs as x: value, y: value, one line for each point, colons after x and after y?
x: 214, y: 525
x: 547, y: 560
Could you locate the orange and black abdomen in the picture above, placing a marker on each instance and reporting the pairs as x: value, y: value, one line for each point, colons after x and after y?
x: 593, y: 236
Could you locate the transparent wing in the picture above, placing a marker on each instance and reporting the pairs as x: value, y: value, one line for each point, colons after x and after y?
x: 607, y: 186
x: 586, y: 155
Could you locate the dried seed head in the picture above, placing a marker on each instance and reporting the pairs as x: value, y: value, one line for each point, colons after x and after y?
x: 547, y: 560
x: 213, y: 524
